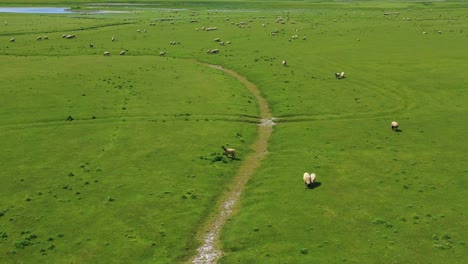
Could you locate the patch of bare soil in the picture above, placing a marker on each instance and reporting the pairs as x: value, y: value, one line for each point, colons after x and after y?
x: 209, y: 252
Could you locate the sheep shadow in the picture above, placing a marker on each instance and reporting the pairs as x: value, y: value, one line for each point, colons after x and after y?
x: 398, y: 130
x: 314, y: 185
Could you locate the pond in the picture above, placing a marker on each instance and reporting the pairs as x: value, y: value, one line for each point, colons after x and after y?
x: 52, y: 10
x: 36, y: 10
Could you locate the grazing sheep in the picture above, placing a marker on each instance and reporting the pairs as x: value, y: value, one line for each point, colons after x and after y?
x: 113, y: 39
x: 395, y: 126
x: 70, y: 36
x: 285, y: 63
x: 12, y: 40
x: 229, y: 151
x: 213, y: 51
x: 122, y: 53
x: 339, y: 75
x: 45, y: 37
x: 106, y: 53
x: 162, y: 53
x: 309, y: 179
x: 39, y: 38
x: 91, y: 45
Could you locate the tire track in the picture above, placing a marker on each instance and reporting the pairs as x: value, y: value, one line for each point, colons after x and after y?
x: 209, y: 252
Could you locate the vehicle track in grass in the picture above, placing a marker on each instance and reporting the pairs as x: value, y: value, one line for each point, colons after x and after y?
x: 209, y: 252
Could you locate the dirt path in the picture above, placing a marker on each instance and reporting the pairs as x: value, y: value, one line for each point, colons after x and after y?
x: 210, y: 250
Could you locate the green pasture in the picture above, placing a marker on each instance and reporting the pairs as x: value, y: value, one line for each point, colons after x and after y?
x: 117, y: 159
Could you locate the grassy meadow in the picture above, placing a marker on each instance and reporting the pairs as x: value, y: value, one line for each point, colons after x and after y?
x: 117, y: 159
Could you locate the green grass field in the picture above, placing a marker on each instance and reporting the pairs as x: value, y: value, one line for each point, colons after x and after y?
x: 117, y: 159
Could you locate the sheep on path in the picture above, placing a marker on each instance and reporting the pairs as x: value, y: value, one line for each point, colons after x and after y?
x: 229, y: 151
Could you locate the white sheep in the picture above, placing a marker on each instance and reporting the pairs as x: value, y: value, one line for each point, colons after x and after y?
x: 12, y: 40
x: 339, y: 75
x: 395, y: 126
x: 45, y: 37
x: 162, y: 53
x: 113, y: 39
x: 39, y: 38
x: 106, y: 53
x: 213, y: 51
x: 70, y: 36
x: 285, y: 63
x: 122, y: 53
x: 91, y: 45
x: 309, y: 179
x: 229, y: 151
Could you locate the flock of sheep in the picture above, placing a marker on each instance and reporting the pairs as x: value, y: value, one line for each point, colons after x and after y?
x: 309, y: 178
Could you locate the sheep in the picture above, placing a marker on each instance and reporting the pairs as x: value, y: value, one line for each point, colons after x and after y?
x: 12, y: 40
x: 285, y: 63
x: 162, y: 53
x: 113, y: 39
x: 91, y: 45
x: 339, y: 75
x: 213, y: 51
x: 309, y: 179
x: 122, y: 53
x: 39, y: 38
x: 229, y: 151
x: 45, y: 37
x: 395, y: 126
x: 106, y: 53
x: 70, y: 36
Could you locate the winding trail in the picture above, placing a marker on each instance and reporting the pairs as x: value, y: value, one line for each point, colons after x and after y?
x: 209, y: 252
